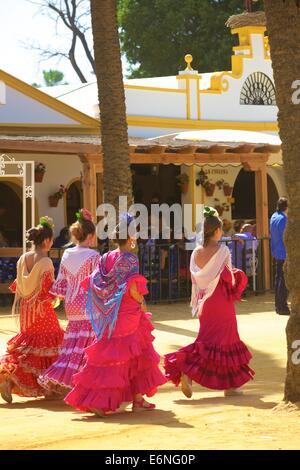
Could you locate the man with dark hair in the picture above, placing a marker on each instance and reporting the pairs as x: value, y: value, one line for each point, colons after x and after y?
x: 277, y: 228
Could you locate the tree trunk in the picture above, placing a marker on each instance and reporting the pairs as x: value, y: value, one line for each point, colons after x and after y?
x: 116, y: 160
x: 283, y: 26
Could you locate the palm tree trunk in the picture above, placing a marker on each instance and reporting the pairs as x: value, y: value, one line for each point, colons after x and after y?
x: 114, y: 137
x: 283, y: 26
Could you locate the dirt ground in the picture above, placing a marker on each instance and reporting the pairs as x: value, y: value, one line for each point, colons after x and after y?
x: 207, y: 421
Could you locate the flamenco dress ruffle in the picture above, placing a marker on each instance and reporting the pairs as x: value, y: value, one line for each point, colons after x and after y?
x: 78, y: 336
x: 33, y: 350
x: 121, y: 366
x: 218, y: 359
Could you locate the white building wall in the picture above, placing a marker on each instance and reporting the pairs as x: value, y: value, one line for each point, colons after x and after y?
x: 20, y: 108
x: 155, y: 103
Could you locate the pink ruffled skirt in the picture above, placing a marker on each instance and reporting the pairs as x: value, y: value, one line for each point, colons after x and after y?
x: 117, y: 369
x: 79, y: 335
x: 214, y: 367
x: 218, y: 359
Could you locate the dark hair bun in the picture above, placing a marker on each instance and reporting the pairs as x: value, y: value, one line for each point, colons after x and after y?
x: 211, y: 224
x: 81, y: 229
x: 37, y: 235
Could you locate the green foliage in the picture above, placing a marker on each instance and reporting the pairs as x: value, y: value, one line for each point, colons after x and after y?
x: 53, y: 77
x: 156, y: 35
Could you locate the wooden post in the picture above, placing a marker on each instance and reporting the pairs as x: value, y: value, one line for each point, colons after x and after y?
x: 262, y: 218
x: 92, y: 163
x: 262, y: 212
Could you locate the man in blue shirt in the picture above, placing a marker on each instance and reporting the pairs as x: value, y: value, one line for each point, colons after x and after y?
x: 277, y: 228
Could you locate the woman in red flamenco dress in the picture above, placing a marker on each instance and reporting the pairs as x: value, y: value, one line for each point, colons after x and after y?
x: 36, y: 346
x: 122, y: 365
x: 218, y: 359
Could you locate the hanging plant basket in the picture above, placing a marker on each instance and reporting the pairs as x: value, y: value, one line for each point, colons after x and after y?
x: 227, y: 190
x: 184, y: 188
x: 210, y: 189
x: 53, y: 201
x: 39, y: 176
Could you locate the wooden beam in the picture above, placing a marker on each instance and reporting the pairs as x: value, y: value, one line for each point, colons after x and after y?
x: 198, y: 158
x: 245, y: 148
x: 218, y: 149
x: 48, y: 147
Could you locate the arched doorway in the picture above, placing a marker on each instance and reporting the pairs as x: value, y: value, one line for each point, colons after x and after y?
x: 244, y: 195
x: 74, y: 201
x: 11, y: 213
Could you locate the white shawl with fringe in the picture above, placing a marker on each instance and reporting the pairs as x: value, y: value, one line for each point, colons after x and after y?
x: 206, y: 279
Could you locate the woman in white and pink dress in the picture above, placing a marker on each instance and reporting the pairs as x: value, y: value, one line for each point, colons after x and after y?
x: 76, y: 265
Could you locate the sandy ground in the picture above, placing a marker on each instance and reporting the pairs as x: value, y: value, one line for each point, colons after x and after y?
x: 207, y: 421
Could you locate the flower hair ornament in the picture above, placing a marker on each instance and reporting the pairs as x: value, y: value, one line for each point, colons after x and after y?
x: 210, y: 212
x: 125, y: 217
x: 47, y: 222
x: 84, y: 214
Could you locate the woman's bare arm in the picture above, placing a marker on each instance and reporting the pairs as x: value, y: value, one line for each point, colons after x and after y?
x: 133, y: 291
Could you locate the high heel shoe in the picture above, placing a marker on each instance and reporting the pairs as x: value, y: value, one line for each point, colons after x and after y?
x: 142, y: 405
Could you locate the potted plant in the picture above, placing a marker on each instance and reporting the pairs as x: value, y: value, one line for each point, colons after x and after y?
x: 54, y: 198
x: 220, y: 183
x: 227, y: 189
x: 209, y: 187
x: 183, y: 182
x: 39, y: 172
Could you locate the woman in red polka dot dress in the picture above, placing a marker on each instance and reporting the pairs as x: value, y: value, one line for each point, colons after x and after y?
x: 76, y: 265
x: 37, y: 344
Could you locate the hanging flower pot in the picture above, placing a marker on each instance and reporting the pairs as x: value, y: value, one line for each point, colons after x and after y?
x: 183, y: 182
x: 184, y: 188
x: 39, y: 172
x: 209, y: 189
x: 38, y: 176
x: 227, y: 189
x: 54, y: 198
x: 53, y: 201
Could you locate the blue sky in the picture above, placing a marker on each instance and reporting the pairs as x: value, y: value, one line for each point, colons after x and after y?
x: 21, y: 22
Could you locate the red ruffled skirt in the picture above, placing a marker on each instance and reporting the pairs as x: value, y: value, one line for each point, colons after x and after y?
x: 117, y: 369
x: 30, y: 353
x: 218, y: 359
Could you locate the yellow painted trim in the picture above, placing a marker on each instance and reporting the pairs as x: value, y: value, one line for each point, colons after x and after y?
x: 47, y: 100
x: 241, y: 48
x: 267, y: 54
x: 144, y: 121
x: 245, y: 32
x: 218, y: 84
x: 47, y: 129
x: 188, y: 99
x: 188, y: 76
x: 152, y: 88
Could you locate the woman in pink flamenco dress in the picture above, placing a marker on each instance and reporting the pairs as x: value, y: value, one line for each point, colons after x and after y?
x: 122, y: 364
x: 37, y: 344
x: 77, y: 263
x: 218, y: 359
